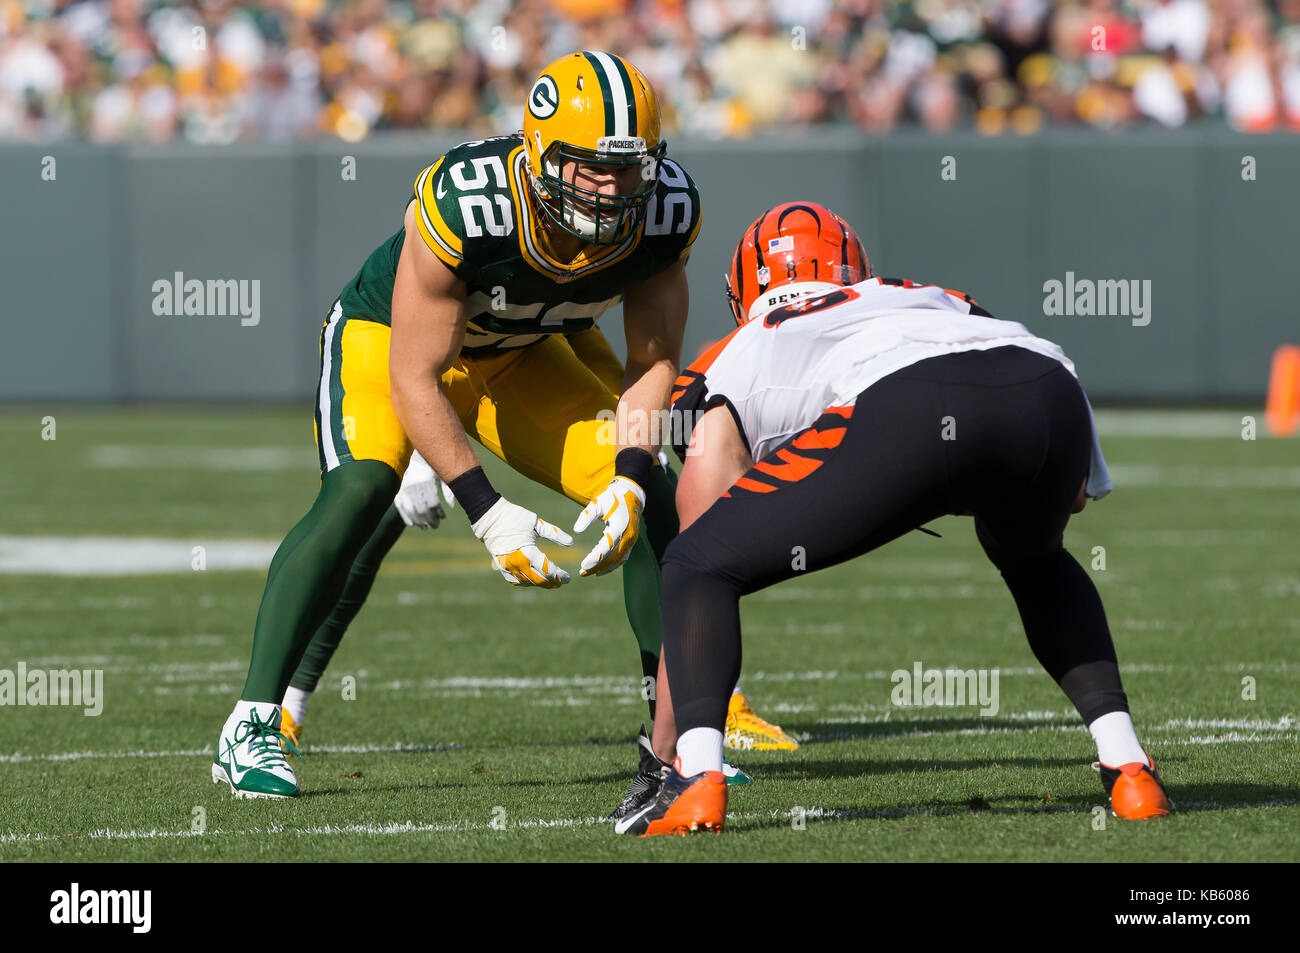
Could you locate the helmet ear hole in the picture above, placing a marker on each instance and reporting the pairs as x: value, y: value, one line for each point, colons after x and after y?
x: 733, y: 301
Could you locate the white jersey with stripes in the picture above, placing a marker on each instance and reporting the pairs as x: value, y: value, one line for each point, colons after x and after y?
x: 782, y: 370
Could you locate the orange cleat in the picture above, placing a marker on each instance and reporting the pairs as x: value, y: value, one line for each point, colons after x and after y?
x: 684, y: 806
x: 1136, y: 791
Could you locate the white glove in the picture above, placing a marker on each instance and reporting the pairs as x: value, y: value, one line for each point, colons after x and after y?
x: 619, y: 505
x: 417, y: 501
x: 510, y: 534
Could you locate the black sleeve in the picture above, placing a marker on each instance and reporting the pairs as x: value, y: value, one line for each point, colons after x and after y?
x: 688, y: 404
x: 691, y: 400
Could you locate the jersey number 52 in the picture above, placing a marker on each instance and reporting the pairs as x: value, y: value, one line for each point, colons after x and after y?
x: 485, y: 168
x: 661, y: 216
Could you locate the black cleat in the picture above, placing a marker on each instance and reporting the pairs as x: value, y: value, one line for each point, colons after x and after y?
x: 650, y: 774
x: 684, y: 806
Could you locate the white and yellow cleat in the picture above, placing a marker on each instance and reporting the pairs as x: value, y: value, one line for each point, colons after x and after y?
x: 745, y: 731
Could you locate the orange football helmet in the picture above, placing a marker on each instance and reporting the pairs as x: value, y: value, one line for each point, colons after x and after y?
x: 797, y: 243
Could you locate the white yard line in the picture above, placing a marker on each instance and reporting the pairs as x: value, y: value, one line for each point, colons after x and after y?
x: 1172, y: 423
x: 160, y: 456
x: 1225, y: 738
x: 331, y: 830
x: 1285, y: 723
x: 475, y: 686
x: 400, y: 747
x: 1239, y: 730
x: 124, y: 556
x: 401, y: 828
x: 1205, y: 477
x: 109, y: 556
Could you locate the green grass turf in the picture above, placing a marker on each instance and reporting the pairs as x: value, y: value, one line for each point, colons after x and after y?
x: 526, y: 701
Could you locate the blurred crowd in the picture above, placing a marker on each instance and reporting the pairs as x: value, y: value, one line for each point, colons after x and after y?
x: 216, y: 71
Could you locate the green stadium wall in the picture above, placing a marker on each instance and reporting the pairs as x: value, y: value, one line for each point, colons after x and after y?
x: 82, y: 250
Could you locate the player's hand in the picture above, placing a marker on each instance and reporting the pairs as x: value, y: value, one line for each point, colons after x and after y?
x: 417, y: 501
x: 619, y: 505
x: 510, y: 534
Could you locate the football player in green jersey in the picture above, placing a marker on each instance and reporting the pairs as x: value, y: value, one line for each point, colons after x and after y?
x: 478, y: 318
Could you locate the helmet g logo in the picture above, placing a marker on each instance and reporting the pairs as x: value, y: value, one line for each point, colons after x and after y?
x: 544, y: 98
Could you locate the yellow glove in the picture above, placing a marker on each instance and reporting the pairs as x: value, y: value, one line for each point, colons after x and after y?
x: 510, y: 534
x: 619, y: 505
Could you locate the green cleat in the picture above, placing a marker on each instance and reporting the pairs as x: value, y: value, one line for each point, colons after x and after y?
x: 249, y: 755
x: 734, y: 775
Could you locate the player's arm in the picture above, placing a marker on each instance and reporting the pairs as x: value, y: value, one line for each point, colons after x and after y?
x: 716, y: 458
x: 428, y: 328
x: 654, y: 318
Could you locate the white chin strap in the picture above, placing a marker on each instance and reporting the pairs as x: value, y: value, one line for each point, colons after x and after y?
x: 785, y: 294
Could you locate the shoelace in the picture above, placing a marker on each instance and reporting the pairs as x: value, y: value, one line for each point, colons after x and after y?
x: 265, y: 742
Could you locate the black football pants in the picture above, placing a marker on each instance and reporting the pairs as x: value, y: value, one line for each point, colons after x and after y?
x: 1002, y: 434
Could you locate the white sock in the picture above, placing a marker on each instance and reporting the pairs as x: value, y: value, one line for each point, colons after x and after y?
x: 295, y: 700
x: 1117, y: 743
x: 699, y: 749
x: 736, y: 690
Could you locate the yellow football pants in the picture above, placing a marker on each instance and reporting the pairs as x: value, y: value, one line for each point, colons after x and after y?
x: 534, y: 407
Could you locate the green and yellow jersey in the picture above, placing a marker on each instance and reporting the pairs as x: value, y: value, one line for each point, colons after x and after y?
x: 474, y: 214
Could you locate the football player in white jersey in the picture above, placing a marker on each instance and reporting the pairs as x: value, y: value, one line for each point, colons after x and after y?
x: 844, y: 411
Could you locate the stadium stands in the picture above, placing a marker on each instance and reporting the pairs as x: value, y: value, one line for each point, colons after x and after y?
x: 216, y: 71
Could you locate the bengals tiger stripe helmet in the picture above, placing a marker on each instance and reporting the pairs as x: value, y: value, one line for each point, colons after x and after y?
x: 801, y: 248
x: 595, y: 108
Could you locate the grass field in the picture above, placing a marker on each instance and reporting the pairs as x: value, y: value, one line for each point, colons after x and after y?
x: 478, y: 704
